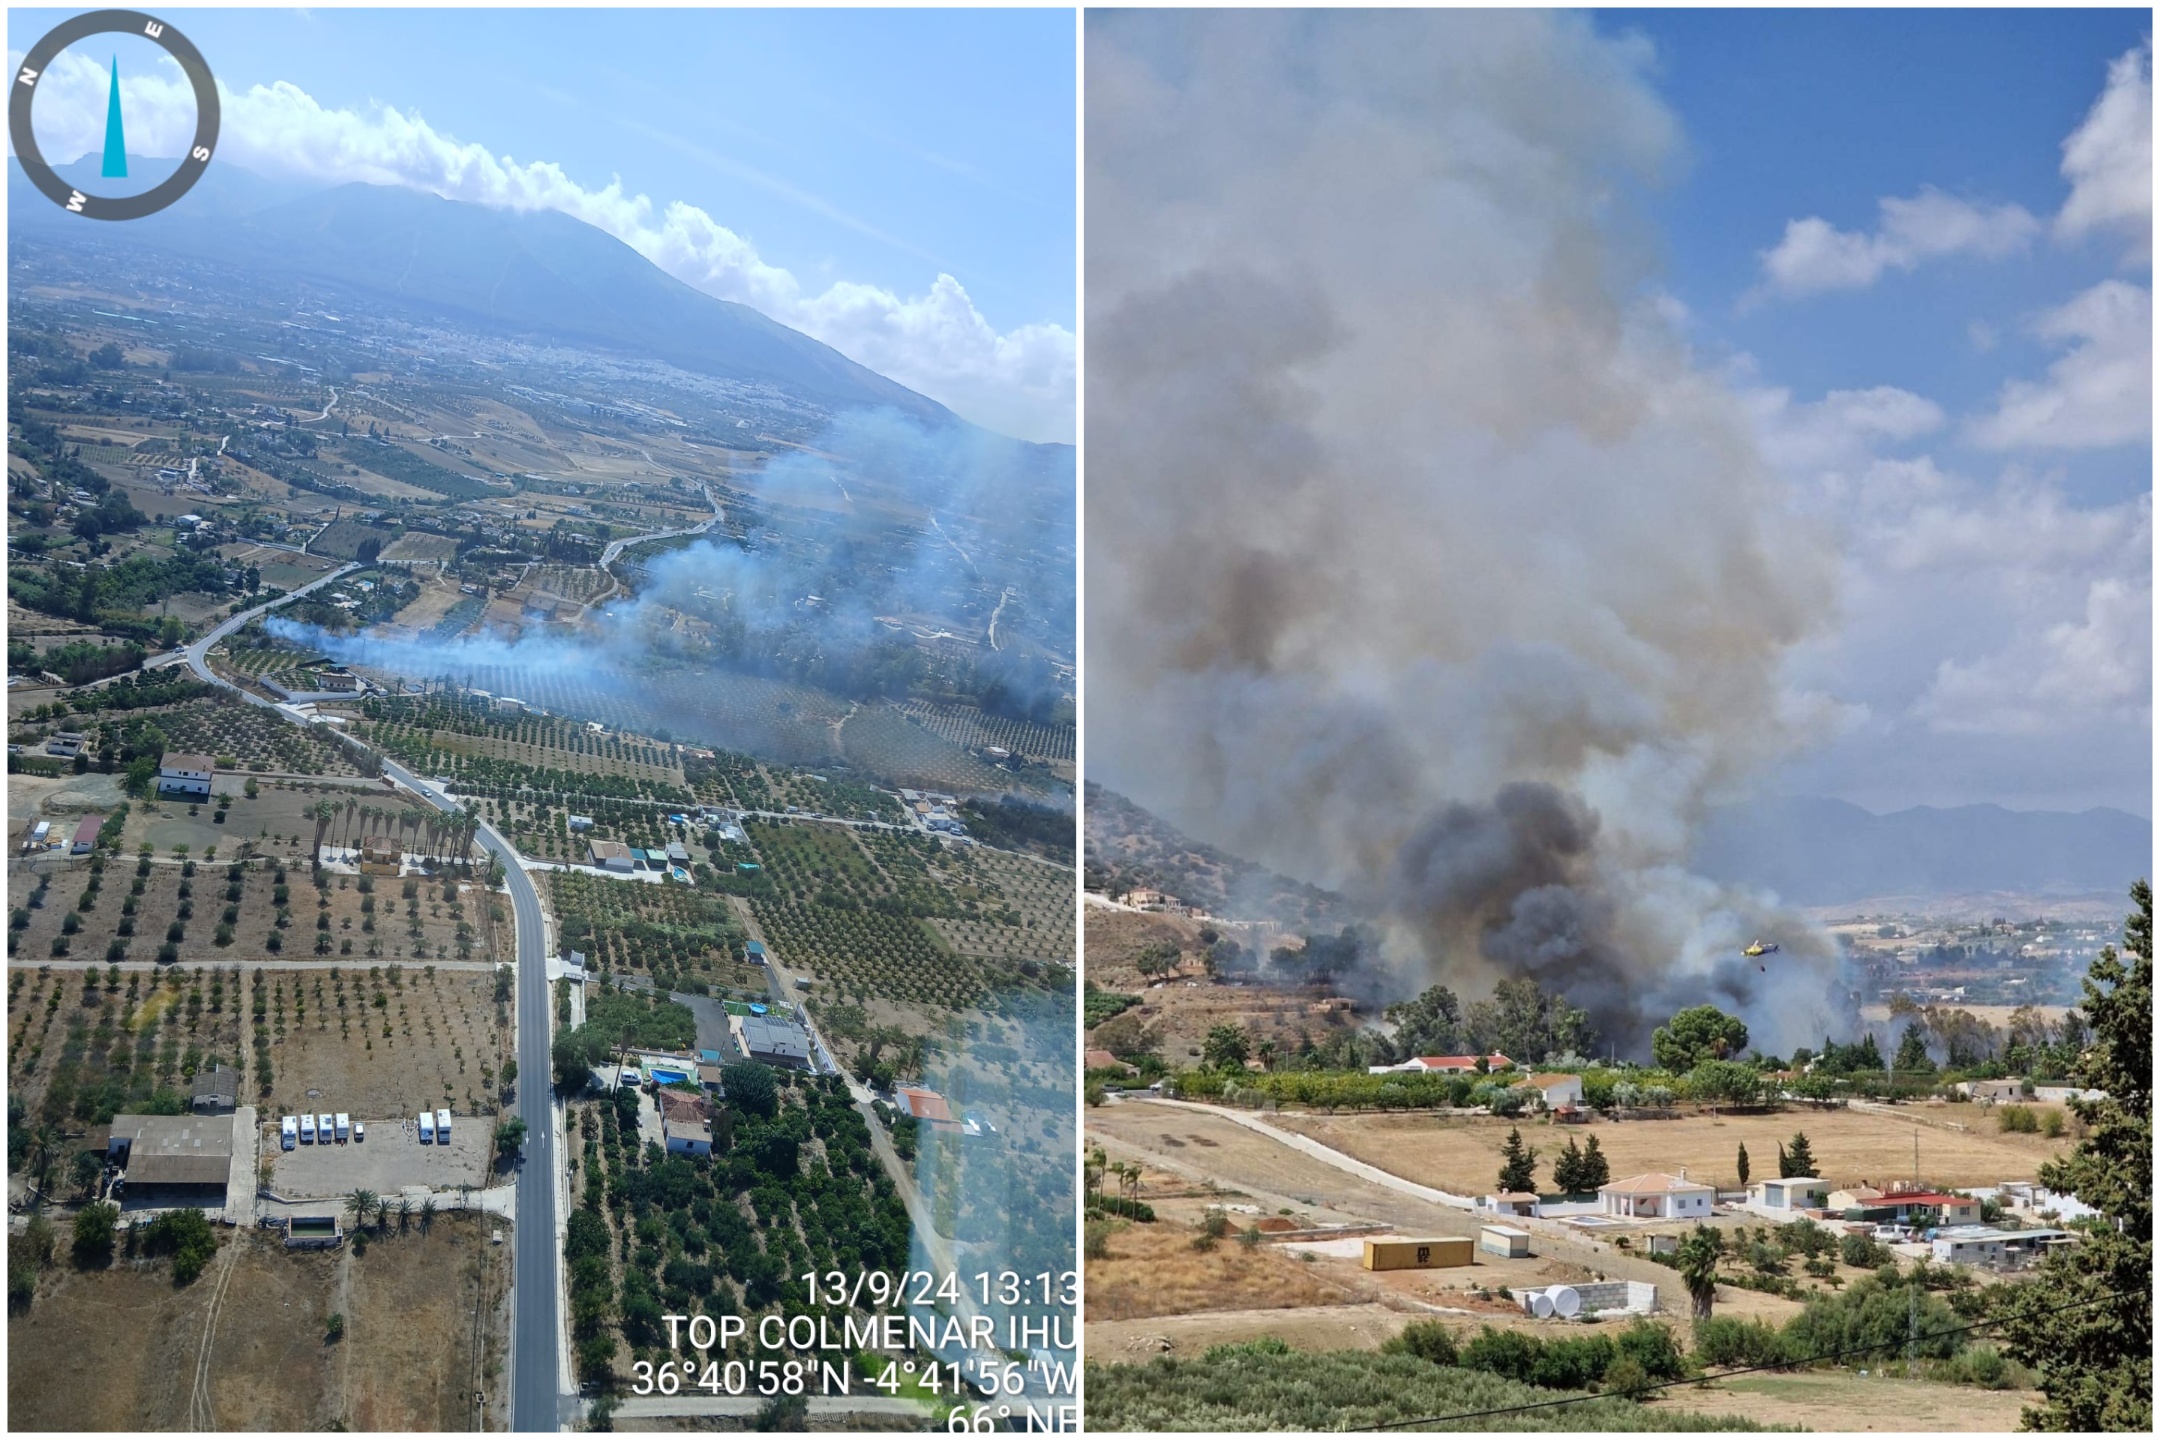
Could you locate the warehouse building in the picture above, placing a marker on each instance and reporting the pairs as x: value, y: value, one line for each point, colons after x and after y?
x: 771, y: 1040
x: 173, y: 1159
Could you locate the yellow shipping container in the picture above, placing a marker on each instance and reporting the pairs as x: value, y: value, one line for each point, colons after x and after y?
x: 1437, y: 1254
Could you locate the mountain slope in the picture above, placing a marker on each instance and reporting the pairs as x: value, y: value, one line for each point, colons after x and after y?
x: 1828, y: 852
x: 1128, y: 846
x: 532, y: 273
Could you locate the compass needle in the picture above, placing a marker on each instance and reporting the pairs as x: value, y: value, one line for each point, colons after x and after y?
x: 115, y: 135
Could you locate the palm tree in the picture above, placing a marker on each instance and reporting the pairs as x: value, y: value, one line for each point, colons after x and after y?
x: 427, y: 1212
x: 359, y: 1205
x: 1697, y: 1260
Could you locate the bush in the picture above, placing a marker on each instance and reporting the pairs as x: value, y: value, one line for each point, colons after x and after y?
x: 1654, y: 1349
x: 1723, y: 1341
x: 2017, y: 1120
x: 1119, y: 1205
x: 1864, y: 1252
x: 1427, y: 1339
x: 187, y: 1237
x: 94, y: 1229
x: 1508, y: 1353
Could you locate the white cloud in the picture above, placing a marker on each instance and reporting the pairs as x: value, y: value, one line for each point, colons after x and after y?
x: 1815, y: 255
x: 2098, y: 393
x: 2108, y: 160
x: 2095, y: 666
x: 1843, y: 426
x: 1021, y: 382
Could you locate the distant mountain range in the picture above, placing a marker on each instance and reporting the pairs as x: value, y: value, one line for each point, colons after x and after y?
x: 1129, y: 847
x: 1828, y: 852
x: 534, y: 273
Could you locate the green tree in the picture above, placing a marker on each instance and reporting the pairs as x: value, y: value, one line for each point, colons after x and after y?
x: 1743, y: 1165
x: 1596, y: 1169
x: 1518, y: 1165
x: 510, y: 1137
x: 1429, y: 1025
x: 1796, y: 1159
x: 1699, y: 1033
x: 359, y: 1205
x: 1567, y: 1168
x: 749, y: 1087
x: 1697, y: 1260
x: 1912, y: 1051
x: 94, y: 1229
x: 1725, y: 1082
x: 2095, y: 1360
x: 1225, y: 1048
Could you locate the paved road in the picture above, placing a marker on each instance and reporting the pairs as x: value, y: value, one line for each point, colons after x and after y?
x: 657, y: 1406
x: 536, y: 1329
x: 537, y: 1398
x: 198, y: 654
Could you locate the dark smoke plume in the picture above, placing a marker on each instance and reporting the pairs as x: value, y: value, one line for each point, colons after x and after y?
x: 1425, y: 561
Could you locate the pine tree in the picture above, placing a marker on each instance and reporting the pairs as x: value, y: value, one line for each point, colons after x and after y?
x: 1596, y: 1169
x: 1799, y: 1160
x: 1567, y: 1169
x: 1518, y: 1165
x: 2086, y: 1323
x: 1743, y: 1165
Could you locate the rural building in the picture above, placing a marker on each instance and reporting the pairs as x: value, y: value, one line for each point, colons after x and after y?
x: 1505, y: 1241
x: 1657, y: 1196
x: 1511, y: 1202
x: 216, y: 1091
x: 580, y: 823
x: 927, y: 1106
x: 382, y: 855
x: 771, y: 1040
x: 709, y: 1077
x: 1795, y: 1193
x: 754, y: 951
x: 685, y: 1123
x: 1555, y: 1091
x: 678, y: 852
x: 67, y: 744
x: 86, y: 835
x: 611, y: 855
x: 184, y: 1158
x: 1440, y: 1253
x: 1996, y: 1249
x: 1854, y: 1197
x: 1993, y: 1091
x: 180, y: 774
x: 1443, y: 1065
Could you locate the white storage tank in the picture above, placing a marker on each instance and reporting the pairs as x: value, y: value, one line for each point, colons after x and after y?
x: 1566, y: 1303
x: 344, y: 1127
x: 442, y: 1127
x: 1541, y: 1305
x: 307, y: 1129
x: 427, y: 1127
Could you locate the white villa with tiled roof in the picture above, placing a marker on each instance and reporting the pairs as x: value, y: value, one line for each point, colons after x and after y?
x: 1658, y: 1196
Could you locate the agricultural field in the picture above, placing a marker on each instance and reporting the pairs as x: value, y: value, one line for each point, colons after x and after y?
x: 885, y: 741
x: 247, y: 737
x: 970, y: 728
x: 855, y: 908
x: 1463, y: 1155
x: 1040, y: 895
x: 682, y: 938
x: 792, y: 1186
x: 85, y: 1044
x: 245, y: 1345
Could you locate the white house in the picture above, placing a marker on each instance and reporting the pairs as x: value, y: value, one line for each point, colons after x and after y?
x: 1789, y: 1195
x: 685, y: 1123
x: 1657, y: 1196
x: 1443, y: 1065
x: 1554, y: 1091
x: 180, y: 774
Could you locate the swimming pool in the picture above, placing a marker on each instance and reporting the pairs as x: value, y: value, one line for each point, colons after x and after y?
x: 669, y: 1077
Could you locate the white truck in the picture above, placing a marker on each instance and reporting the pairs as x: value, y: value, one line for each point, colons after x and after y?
x: 427, y: 1127
x: 344, y: 1127
x: 288, y: 1132
x: 325, y: 1128
x: 442, y: 1127
x: 307, y: 1129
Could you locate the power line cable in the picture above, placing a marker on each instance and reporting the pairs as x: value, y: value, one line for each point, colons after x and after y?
x: 1795, y: 1364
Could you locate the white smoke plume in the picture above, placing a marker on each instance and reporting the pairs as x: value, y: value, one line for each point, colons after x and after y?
x: 1423, y: 560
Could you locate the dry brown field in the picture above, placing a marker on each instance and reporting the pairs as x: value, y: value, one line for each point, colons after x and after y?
x: 1154, y: 1270
x: 244, y: 1347
x: 1842, y: 1400
x: 1463, y: 1155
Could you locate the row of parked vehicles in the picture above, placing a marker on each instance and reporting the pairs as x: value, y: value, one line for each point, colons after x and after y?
x: 328, y: 1129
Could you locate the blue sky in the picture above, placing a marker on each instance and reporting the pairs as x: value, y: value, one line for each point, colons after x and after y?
x: 850, y: 148
x: 1975, y: 658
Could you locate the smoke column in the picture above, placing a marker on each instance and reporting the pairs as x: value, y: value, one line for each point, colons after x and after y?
x: 1424, y: 560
